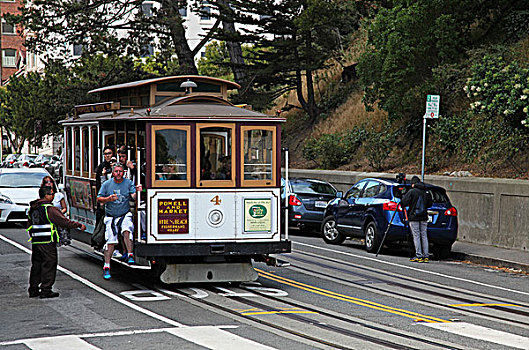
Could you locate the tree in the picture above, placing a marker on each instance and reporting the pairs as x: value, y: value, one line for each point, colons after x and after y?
x: 109, y: 27
x: 32, y: 105
x: 408, y: 40
x: 293, y: 39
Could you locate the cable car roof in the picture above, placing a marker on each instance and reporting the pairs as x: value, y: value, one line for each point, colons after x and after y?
x: 194, y: 107
x: 229, y: 84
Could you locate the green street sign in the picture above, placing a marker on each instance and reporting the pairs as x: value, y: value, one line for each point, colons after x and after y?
x: 432, y: 106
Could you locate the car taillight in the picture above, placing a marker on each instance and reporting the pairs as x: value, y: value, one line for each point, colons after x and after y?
x: 293, y: 200
x: 391, y: 206
x: 451, y: 212
x: 25, y: 164
x: 11, y: 162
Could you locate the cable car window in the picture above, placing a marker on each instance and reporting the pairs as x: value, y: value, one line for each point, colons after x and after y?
x: 86, y: 151
x: 258, y: 155
x: 77, y: 151
x: 69, y: 148
x: 171, y: 156
x: 95, y: 149
x: 215, y: 155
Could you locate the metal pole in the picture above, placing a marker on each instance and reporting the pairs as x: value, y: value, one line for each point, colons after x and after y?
x: 286, y: 193
x: 423, y: 145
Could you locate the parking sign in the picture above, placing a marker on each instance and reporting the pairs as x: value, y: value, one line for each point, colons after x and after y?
x: 432, y: 106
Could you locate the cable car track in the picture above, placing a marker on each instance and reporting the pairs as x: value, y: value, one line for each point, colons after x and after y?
x: 325, y: 326
x: 423, y: 289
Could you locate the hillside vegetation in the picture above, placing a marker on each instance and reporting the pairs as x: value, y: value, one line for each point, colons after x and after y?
x: 475, y: 54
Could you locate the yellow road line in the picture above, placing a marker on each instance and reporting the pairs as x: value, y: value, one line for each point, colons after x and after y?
x: 401, y: 312
x: 483, y: 304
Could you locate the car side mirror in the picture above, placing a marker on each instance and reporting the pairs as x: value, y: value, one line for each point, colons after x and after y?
x: 339, y: 194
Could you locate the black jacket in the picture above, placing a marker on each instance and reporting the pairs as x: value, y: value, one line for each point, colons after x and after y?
x: 410, y: 200
x: 99, y: 172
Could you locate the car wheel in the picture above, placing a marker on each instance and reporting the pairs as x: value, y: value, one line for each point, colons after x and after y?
x: 441, y: 251
x: 329, y: 231
x: 372, y: 239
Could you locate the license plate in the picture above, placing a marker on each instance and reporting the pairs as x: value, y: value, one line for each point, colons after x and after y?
x: 431, y: 215
x: 430, y: 218
x: 320, y: 204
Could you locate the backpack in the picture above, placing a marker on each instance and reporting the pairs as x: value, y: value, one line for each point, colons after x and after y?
x: 98, y: 237
x: 423, y: 202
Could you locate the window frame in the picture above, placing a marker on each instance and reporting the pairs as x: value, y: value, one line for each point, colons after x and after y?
x: 215, y: 183
x: 266, y: 182
x: 76, y: 134
x: 171, y: 183
x: 14, y: 32
x: 5, y: 64
x: 85, y: 151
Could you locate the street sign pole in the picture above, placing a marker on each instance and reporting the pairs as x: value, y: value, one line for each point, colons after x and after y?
x: 432, y: 111
x: 423, y: 145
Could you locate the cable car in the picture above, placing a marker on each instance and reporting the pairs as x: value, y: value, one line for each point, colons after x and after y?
x: 210, y: 170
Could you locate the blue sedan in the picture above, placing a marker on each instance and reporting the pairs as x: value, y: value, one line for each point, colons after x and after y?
x: 366, y: 210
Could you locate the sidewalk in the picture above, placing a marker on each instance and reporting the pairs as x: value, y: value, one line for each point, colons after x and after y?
x: 489, y: 255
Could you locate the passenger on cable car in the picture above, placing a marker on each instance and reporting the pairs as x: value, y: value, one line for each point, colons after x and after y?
x: 116, y: 195
x: 104, y: 170
x: 129, y: 165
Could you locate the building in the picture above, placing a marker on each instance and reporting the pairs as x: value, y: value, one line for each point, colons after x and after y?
x: 11, y: 43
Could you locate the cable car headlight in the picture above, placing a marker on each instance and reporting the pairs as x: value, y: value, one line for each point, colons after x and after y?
x: 215, y: 217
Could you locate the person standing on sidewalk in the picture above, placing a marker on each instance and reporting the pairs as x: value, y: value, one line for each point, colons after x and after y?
x: 43, y: 219
x: 418, y: 200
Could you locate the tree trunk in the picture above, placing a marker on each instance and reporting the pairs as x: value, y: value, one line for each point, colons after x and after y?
x: 174, y: 22
x: 234, y: 47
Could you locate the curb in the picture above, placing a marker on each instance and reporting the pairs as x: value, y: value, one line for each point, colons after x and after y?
x: 483, y: 260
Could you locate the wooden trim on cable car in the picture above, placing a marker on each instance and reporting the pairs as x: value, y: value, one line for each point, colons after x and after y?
x: 265, y: 182
x: 171, y: 183
x: 215, y: 183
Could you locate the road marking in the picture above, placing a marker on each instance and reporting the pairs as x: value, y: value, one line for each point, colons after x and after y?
x: 207, y: 336
x: 482, y: 304
x: 214, y: 338
x: 413, y: 268
x: 482, y: 333
x: 102, y: 290
x: 60, y: 342
x: 362, y: 302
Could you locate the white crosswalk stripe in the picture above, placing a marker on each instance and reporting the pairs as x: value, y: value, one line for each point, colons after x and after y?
x: 210, y: 337
x: 482, y: 333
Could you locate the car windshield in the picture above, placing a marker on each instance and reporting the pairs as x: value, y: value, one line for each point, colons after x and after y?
x: 313, y: 187
x: 21, y: 179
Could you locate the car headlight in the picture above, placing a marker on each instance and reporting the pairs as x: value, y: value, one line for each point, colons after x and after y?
x: 5, y: 199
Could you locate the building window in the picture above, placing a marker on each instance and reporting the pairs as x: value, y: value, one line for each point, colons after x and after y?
x: 205, y: 11
x: 9, y: 58
x: 8, y: 28
x: 183, y: 11
x: 146, y: 9
x: 147, y: 51
x: 77, y: 49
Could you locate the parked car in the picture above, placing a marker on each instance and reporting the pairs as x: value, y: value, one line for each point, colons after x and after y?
x: 54, y: 167
x: 25, y: 160
x: 41, y: 161
x: 307, y: 201
x: 18, y: 187
x: 367, y: 208
x: 9, y: 160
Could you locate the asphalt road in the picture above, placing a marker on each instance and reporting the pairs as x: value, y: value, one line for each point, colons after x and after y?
x: 329, y: 297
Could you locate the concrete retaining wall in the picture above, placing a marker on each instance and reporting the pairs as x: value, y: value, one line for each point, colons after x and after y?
x: 491, y: 211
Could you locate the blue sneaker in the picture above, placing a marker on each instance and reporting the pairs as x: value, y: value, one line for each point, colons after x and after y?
x: 124, y: 257
x: 131, y: 259
x: 106, y: 273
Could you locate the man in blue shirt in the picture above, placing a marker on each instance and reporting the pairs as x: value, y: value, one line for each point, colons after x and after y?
x: 116, y: 194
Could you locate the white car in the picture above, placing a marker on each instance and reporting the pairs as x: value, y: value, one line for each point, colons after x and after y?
x: 18, y: 187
